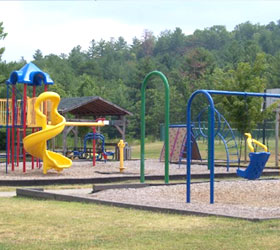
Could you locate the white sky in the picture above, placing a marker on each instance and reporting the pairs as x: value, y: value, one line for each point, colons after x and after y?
x: 58, y: 26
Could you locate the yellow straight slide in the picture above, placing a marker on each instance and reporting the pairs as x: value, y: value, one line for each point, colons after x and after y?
x: 36, y: 143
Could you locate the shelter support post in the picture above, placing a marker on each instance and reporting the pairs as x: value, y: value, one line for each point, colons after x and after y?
x: 75, y: 131
x: 121, y: 127
x: 66, y: 131
x: 53, y: 144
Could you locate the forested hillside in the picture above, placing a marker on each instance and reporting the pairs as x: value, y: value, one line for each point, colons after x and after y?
x: 245, y: 59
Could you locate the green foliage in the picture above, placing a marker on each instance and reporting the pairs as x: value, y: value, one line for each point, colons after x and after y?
x: 2, y: 36
x: 245, y: 59
x: 244, y: 112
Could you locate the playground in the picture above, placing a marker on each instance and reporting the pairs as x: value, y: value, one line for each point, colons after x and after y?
x: 224, y: 196
x: 234, y: 198
x: 253, y: 200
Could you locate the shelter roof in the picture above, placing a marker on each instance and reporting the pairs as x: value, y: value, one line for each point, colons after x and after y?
x: 90, y: 106
x: 29, y: 74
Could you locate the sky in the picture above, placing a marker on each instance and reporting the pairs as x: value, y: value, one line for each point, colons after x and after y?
x: 58, y: 26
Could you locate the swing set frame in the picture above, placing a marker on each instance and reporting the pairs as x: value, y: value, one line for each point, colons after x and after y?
x: 211, y: 126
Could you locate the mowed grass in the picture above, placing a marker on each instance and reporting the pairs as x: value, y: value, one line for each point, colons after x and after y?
x: 153, y: 151
x: 39, y: 224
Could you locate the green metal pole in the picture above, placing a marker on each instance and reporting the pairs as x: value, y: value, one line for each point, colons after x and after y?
x: 166, y: 140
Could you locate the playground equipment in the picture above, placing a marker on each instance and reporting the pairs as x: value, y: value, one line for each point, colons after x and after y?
x: 100, y: 154
x: 211, y: 128
x: 121, y: 146
x: 36, y: 143
x: 143, y: 108
x: 177, y: 144
x: 257, y: 160
x: 178, y: 137
x: 17, y: 114
x: 224, y: 132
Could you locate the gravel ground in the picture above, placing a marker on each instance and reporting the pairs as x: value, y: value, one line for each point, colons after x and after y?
x: 84, y: 169
x: 241, y: 198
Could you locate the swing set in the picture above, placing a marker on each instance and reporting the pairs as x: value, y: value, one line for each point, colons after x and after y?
x: 257, y: 159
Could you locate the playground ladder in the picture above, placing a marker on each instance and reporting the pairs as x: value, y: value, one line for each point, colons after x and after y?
x: 225, y: 133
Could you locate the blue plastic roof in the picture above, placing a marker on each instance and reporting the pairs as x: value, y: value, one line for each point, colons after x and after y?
x: 31, y: 75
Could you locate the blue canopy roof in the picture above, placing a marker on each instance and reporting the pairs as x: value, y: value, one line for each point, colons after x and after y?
x: 31, y: 75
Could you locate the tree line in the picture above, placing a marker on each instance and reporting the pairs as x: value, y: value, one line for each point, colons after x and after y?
x: 245, y: 59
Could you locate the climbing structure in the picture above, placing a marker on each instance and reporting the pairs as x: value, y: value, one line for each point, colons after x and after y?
x: 40, y: 115
x: 17, y: 112
x: 177, y: 142
x: 177, y: 139
x: 222, y: 131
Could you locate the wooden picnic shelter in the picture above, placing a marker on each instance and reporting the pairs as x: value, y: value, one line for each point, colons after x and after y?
x: 88, y: 109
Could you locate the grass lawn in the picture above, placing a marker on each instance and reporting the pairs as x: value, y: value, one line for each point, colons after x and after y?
x: 39, y: 224
x: 153, y: 150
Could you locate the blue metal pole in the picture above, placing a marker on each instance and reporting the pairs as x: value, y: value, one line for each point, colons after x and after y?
x: 211, y: 144
x: 217, y: 92
x: 211, y: 149
x: 189, y: 153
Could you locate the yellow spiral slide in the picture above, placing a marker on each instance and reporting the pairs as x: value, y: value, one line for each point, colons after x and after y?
x: 36, y: 143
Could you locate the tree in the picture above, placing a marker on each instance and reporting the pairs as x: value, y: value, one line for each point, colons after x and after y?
x: 231, y: 55
x: 244, y: 112
x: 213, y: 38
x: 246, y: 59
x: 92, y: 53
x: 76, y: 59
x: 245, y: 31
x: 170, y: 47
x: 273, y: 71
x: 198, y: 62
x: 38, y: 55
x: 148, y: 43
x: 2, y: 37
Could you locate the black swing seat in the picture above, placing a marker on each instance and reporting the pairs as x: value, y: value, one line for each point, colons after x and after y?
x: 256, y: 166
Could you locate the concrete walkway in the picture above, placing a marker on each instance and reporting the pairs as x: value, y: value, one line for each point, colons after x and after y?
x: 8, y: 194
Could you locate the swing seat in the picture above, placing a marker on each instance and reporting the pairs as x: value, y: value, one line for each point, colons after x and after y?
x: 255, y: 167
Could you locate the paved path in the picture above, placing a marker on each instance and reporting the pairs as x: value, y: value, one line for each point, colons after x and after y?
x: 8, y: 194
